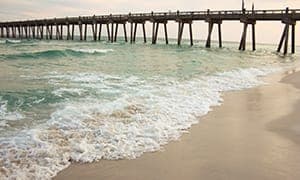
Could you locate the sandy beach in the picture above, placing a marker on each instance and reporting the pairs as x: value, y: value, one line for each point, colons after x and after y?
x: 255, y: 134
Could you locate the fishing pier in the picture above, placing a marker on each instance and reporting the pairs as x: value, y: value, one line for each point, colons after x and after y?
x: 63, y: 28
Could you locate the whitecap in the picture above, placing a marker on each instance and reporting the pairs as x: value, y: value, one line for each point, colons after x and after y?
x: 13, y: 41
x: 92, y: 51
x: 75, y: 91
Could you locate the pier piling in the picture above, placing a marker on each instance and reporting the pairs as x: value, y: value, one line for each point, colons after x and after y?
x: 108, y: 32
x: 73, y: 29
x: 99, y: 34
x: 180, y: 31
x: 68, y: 31
x: 112, y: 32
x: 211, y: 23
x: 144, y: 32
x: 134, y: 32
x: 125, y: 31
x: 85, y: 31
x: 33, y: 31
x: 94, y: 30
x: 116, y: 32
x: 80, y: 31
x: 166, y: 33
x: 284, y: 40
x: 243, y: 41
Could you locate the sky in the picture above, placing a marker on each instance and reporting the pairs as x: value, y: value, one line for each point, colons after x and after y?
x: 267, y: 32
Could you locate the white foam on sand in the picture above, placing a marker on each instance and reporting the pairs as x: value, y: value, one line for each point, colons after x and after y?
x: 142, y: 119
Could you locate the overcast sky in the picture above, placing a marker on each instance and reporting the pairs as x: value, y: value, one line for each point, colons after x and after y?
x: 34, y: 9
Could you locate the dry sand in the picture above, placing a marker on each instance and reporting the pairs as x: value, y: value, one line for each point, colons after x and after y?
x: 255, y: 135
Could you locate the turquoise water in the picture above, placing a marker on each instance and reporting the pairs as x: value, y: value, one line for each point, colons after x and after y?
x: 64, y: 101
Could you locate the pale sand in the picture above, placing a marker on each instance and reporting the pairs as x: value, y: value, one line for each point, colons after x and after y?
x: 255, y: 135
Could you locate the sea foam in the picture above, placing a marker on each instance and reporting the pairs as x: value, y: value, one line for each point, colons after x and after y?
x: 10, y: 41
x: 6, y: 115
x: 92, y: 51
x: 145, y: 116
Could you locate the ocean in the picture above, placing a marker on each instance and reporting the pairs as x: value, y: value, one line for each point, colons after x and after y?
x: 72, y: 101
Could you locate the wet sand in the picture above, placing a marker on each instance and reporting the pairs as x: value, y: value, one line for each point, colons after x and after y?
x: 254, y: 135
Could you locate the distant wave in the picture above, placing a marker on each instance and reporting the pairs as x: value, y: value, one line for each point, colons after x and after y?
x: 34, y: 55
x: 92, y: 51
x: 10, y: 41
x: 54, y: 53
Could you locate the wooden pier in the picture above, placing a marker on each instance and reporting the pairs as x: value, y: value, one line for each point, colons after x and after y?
x: 54, y: 28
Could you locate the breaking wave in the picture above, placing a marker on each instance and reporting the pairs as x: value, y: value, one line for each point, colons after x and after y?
x: 50, y: 54
x: 145, y: 116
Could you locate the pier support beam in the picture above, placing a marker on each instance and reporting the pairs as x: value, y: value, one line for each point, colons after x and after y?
x: 68, y: 31
x: 133, y: 30
x: 243, y: 41
x: 51, y: 32
x: 155, y: 31
x: 61, y: 37
x: 48, y: 33
x: 112, y: 33
x: 180, y: 31
x: 7, y: 32
x: 57, y: 32
x: 26, y: 32
x: 293, y: 39
x: 125, y: 31
x: 134, y: 33
x: 19, y: 31
x: 94, y: 30
x: 29, y: 30
x: 191, y: 34
x: 85, y: 31
x: 73, y: 29
x: 38, y: 32
x: 33, y: 31
x: 99, y: 34
x: 211, y: 23
x: 117, y: 28
x: 42, y: 31
x: 144, y: 32
x: 108, y: 32
x: 80, y: 30
x: 13, y: 30
x: 116, y: 32
x: 2, y: 32
x: 285, y: 36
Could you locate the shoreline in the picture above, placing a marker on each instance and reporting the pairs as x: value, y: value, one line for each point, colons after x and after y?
x: 247, y: 137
